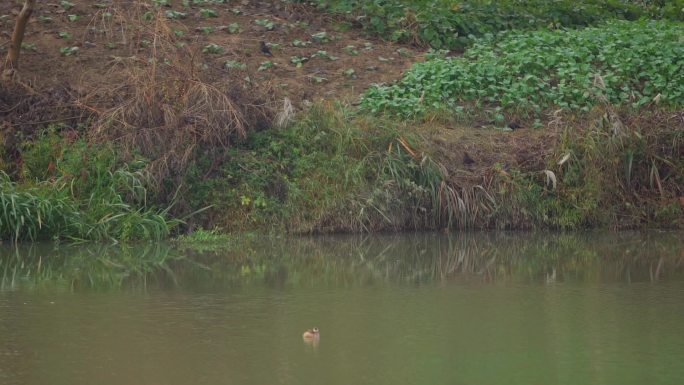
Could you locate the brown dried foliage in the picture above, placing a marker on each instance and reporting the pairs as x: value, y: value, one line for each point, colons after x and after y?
x: 162, y: 109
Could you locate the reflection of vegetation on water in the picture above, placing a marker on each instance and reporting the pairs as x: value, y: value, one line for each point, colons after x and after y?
x: 349, y: 261
x: 423, y: 258
x: 92, y: 265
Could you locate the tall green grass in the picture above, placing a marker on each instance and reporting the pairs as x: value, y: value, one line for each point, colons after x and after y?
x: 48, y: 210
x: 77, y: 192
x: 31, y: 213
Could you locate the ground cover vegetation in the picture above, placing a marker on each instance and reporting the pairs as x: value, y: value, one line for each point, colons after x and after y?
x: 635, y: 63
x: 237, y: 116
x: 452, y: 24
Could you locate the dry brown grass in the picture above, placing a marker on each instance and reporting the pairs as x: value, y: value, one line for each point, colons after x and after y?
x: 162, y: 109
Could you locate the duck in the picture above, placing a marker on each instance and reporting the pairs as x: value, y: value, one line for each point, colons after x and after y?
x: 311, y: 334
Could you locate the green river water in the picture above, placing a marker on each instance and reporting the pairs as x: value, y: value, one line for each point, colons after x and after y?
x: 480, y: 308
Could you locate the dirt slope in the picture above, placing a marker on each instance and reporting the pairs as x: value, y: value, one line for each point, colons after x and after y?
x: 338, y: 62
x: 350, y: 61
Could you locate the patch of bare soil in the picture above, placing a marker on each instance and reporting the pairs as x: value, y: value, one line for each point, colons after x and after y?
x: 299, y: 52
x: 161, y: 78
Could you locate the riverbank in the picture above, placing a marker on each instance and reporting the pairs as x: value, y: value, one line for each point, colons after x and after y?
x: 195, y: 125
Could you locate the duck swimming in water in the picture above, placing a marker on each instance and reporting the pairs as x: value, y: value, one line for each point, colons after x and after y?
x: 311, y: 334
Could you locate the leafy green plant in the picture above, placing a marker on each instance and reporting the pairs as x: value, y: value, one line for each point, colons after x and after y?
x: 298, y: 60
x: 175, y: 15
x: 321, y: 37
x: 69, y: 51
x: 404, y: 52
x: 234, y: 28
x: 206, y: 13
x: 349, y: 72
x: 351, y: 50
x: 67, y: 5
x: 29, y: 46
x: 234, y: 64
x: 204, y: 2
x: 273, y: 46
x: 299, y: 24
x: 73, y: 18
x: 212, y: 49
x: 621, y: 62
x: 266, y: 23
x: 64, y: 35
x: 300, y: 43
x: 264, y: 66
x: 324, y: 55
x: 206, y: 30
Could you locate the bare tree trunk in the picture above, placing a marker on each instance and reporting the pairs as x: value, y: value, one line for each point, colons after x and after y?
x: 17, y: 37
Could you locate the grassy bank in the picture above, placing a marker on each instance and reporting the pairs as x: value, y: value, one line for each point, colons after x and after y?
x: 333, y: 172
x: 330, y: 171
x: 544, y: 129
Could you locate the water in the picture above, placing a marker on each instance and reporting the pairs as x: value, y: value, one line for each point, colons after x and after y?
x: 414, y: 309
